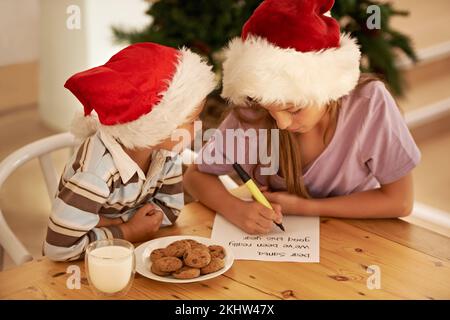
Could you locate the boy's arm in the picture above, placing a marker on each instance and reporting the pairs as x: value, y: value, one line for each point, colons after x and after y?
x: 106, y: 222
x: 74, y: 218
x: 170, y: 197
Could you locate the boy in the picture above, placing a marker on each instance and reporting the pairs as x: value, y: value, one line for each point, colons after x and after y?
x: 125, y: 180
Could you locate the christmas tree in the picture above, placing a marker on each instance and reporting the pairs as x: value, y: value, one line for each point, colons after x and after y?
x: 379, y: 46
x: 206, y: 26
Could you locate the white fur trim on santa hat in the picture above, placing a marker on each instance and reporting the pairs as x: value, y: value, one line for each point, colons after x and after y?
x: 269, y: 74
x: 83, y: 126
x: 191, y: 83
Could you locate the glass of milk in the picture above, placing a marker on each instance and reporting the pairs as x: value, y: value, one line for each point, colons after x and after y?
x: 110, y: 267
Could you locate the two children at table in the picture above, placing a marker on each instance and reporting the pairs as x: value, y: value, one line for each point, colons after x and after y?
x: 344, y: 148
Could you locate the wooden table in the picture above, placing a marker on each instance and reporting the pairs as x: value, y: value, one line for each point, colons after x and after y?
x: 414, y: 264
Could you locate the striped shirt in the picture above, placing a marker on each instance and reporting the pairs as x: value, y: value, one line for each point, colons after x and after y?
x: 102, y: 180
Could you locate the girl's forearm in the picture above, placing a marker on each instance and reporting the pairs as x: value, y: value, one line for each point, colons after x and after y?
x: 367, y: 204
x: 210, y: 191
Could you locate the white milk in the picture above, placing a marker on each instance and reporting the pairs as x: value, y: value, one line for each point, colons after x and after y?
x: 112, y: 274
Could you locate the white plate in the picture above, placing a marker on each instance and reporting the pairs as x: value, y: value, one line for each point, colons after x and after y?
x: 143, y: 262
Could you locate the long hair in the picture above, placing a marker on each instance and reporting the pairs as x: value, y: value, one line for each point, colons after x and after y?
x: 289, y: 146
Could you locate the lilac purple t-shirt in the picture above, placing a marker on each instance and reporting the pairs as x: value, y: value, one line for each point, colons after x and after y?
x: 371, y: 146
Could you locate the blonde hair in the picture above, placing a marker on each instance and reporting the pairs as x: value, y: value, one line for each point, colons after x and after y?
x: 290, y: 155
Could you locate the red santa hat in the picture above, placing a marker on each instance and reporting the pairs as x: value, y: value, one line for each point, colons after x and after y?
x: 291, y: 52
x: 142, y: 94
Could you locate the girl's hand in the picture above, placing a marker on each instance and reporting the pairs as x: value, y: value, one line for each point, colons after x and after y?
x: 255, y: 218
x: 143, y: 225
x: 290, y: 203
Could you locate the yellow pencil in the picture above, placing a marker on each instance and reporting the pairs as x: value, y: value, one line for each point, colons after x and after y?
x: 254, y: 190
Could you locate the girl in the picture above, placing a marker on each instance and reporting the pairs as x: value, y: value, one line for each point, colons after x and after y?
x: 345, y: 150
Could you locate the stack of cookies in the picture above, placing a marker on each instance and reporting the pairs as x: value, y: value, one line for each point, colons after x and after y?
x: 187, y: 259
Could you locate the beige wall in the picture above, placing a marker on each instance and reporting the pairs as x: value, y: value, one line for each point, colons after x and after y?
x: 64, y: 51
x: 38, y: 53
x: 19, y: 25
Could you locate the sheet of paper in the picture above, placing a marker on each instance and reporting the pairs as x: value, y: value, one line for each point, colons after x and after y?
x: 299, y: 243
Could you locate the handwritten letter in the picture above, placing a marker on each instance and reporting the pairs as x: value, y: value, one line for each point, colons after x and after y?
x: 300, y: 242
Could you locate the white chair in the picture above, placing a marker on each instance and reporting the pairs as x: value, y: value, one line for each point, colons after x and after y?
x: 40, y: 149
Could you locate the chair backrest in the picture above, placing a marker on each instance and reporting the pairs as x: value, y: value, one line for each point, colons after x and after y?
x: 42, y: 150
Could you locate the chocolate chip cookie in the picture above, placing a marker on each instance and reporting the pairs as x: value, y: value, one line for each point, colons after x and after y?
x: 197, y: 258
x: 177, y: 249
x: 186, y: 273
x: 215, y: 265
x: 217, y: 251
x: 168, y: 264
